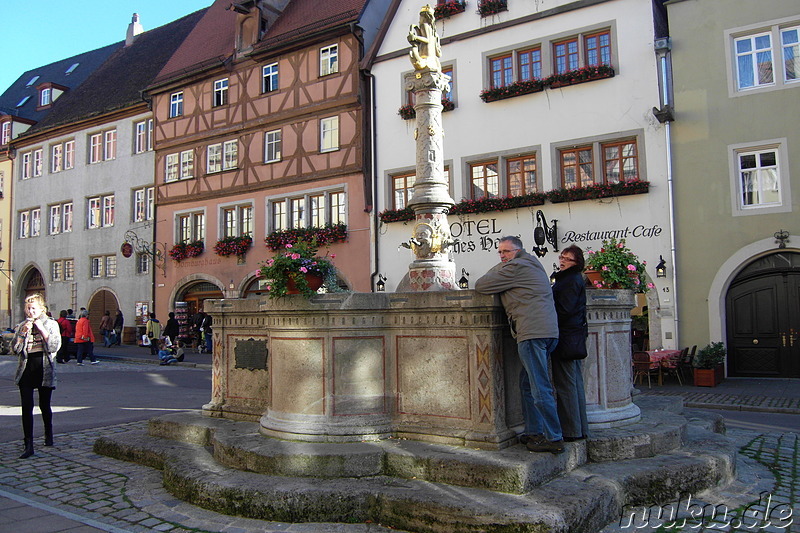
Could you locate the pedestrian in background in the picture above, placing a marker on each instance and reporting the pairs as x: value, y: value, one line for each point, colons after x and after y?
x: 206, y: 329
x: 524, y: 290
x: 153, y: 332
x: 84, y: 338
x: 107, y: 329
x: 119, y: 323
x: 569, y: 295
x: 36, y: 342
x: 67, y: 333
x: 172, y: 328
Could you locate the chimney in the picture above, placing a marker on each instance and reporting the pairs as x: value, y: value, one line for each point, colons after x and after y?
x: 134, y: 29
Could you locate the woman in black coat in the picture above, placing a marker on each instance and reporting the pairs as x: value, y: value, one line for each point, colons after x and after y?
x: 569, y: 294
x: 172, y: 328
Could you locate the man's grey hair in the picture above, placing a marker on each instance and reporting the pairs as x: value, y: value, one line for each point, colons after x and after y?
x: 513, y: 240
x: 84, y: 312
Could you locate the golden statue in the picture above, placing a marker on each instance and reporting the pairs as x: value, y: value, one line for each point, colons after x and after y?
x: 425, y: 48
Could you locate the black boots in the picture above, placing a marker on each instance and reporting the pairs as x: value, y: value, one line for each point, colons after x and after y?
x: 28, y: 449
x: 48, y: 435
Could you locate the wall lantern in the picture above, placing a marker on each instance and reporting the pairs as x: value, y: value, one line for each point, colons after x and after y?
x: 463, y: 283
x: 231, y: 285
x: 661, y: 268
x: 381, y: 285
x: 543, y: 234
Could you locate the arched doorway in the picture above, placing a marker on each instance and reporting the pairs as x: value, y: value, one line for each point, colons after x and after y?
x: 102, y: 301
x: 763, y: 318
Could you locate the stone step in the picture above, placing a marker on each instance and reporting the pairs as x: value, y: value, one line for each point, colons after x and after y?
x: 584, y: 499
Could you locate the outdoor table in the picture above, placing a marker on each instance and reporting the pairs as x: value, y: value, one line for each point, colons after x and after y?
x: 659, y: 357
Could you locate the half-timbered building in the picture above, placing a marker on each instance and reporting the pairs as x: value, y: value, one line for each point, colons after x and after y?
x: 259, y: 128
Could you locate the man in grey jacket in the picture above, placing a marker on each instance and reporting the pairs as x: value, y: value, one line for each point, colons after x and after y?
x: 524, y: 290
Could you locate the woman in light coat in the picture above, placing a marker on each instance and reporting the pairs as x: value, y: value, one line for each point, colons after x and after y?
x: 36, y: 342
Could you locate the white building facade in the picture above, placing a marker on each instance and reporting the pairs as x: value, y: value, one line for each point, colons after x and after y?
x: 597, y: 130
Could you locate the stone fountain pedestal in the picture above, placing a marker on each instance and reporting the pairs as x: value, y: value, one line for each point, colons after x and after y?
x: 431, y: 366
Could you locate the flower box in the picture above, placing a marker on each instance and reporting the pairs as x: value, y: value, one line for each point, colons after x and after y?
x: 581, y: 75
x: 186, y: 250
x: 599, y: 190
x: 448, y: 9
x: 233, y: 245
x: 518, y: 88
x: 328, y: 234
x: 491, y: 7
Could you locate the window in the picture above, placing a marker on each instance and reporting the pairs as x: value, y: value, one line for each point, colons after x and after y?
x: 521, y: 175
x: 329, y: 134
x: 144, y: 136
x: 565, y: 55
x: 272, y: 146
x: 765, y: 58
x: 69, y: 155
x: 529, y: 64
x: 110, y: 145
x: 101, y: 211
x: 176, y: 104
x: 448, y: 93
x: 57, y: 270
x: 502, y: 73
x: 69, y: 269
x: 111, y: 266
x: 329, y: 60
x: 45, y: 95
x: 102, y: 146
x: 27, y: 170
x: 598, y: 48
x: 37, y: 163
x: 97, y: 264
x: 311, y: 210
x: 5, y: 136
x: 30, y: 223
x: 237, y: 221
x: 577, y: 167
x: 620, y: 162
x: 56, y: 157
x: 143, y: 204
x: 95, y: 148
x: 220, y: 92
x: 187, y: 164
x: 269, y: 75
x: 190, y: 227
x: 171, y: 167
x: 179, y: 166
x: 759, y: 180
x: 402, y: 189
x: 485, y: 183
x: 142, y: 263
x: 222, y: 156
x: 60, y: 218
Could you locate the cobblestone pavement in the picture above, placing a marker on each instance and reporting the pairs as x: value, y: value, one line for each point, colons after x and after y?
x: 74, y: 485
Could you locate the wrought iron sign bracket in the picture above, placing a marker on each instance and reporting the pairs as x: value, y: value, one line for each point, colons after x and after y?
x: 543, y: 233
x: 157, y: 251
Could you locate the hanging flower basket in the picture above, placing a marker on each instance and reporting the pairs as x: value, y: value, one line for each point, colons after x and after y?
x: 448, y: 9
x: 186, y: 250
x: 233, y: 245
x: 619, y: 267
x: 297, y: 269
x: 491, y: 7
x: 328, y: 234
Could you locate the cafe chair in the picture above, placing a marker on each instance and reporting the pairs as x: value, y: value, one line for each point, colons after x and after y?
x: 643, y: 367
x: 685, y: 362
x: 670, y: 366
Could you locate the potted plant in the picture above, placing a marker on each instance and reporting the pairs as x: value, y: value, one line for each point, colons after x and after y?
x: 297, y: 269
x: 615, y: 266
x: 707, y: 363
x: 233, y: 245
x: 186, y: 250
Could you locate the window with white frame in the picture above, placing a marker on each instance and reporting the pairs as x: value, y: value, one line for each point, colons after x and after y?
x: 310, y: 210
x: 187, y: 164
x: 142, y: 263
x: 45, y: 96
x: 111, y: 266
x: 69, y: 155
x: 220, y: 92
x: 101, y: 211
x: 60, y: 220
x: 171, y: 167
x: 272, y: 146
x: 36, y: 222
x: 56, y: 158
x: 176, y: 104
x: 69, y: 269
x: 37, y: 162
x: 765, y: 58
x: 143, y: 204
x: 102, y: 146
x: 269, y: 76
x: 96, y: 266
x: 329, y: 60
x: 759, y: 178
x: 26, y: 169
x: 144, y: 136
x: 110, y: 145
x: 30, y: 223
x: 237, y: 221
x: 222, y: 156
x: 190, y: 227
x: 5, y: 133
x: 57, y: 270
x: 329, y: 134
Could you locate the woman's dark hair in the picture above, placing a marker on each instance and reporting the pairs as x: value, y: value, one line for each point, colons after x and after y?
x: 577, y: 254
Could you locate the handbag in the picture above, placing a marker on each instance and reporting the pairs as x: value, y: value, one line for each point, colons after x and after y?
x: 145, y: 340
x: 571, y: 347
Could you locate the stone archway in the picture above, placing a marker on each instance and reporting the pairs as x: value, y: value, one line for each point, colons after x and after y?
x: 763, y: 312
x: 100, y: 302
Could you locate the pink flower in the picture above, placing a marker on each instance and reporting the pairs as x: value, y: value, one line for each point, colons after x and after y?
x: 636, y: 281
x: 620, y: 245
x: 295, y: 256
x: 270, y: 261
x: 269, y: 287
x: 598, y: 284
x: 333, y: 256
x: 288, y: 245
x: 605, y: 267
x: 303, y: 270
x: 651, y: 285
x: 632, y: 268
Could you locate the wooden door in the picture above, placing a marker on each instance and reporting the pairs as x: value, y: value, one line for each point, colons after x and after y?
x: 763, y: 319
x: 101, y: 302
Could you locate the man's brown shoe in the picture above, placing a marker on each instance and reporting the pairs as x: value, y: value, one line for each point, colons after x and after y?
x: 556, y: 446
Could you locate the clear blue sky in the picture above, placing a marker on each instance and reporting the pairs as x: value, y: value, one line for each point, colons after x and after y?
x: 38, y: 32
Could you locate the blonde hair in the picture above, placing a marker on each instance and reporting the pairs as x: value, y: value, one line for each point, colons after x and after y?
x: 37, y: 298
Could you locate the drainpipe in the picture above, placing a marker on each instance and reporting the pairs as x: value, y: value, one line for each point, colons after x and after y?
x: 375, y: 223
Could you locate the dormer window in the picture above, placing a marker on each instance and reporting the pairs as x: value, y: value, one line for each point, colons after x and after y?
x: 48, y: 93
x: 45, y: 96
x: 5, y: 133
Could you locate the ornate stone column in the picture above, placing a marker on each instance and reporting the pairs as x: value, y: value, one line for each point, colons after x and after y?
x: 431, y: 270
